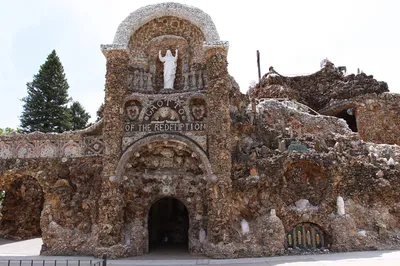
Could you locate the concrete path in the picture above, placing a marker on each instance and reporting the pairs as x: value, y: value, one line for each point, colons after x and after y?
x: 22, y: 252
x: 29, y: 247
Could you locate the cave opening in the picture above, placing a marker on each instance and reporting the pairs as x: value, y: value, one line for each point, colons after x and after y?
x: 349, y: 116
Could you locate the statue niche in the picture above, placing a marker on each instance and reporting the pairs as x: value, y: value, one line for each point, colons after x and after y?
x: 169, y: 54
x: 167, y: 63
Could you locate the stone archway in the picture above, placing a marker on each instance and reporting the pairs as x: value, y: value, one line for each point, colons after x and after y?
x: 168, y: 225
x: 159, y: 167
x: 145, y: 14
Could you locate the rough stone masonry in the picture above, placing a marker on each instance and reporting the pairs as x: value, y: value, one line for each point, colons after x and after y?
x: 299, y: 164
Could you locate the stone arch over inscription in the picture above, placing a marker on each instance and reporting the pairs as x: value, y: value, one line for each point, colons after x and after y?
x: 169, y: 138
x: 143, y: 15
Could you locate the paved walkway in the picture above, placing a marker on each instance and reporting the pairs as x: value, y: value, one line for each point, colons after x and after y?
x: 28, y: 250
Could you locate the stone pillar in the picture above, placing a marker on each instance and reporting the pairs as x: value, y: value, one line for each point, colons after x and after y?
x: 110, y: 220
x: 219, y: 144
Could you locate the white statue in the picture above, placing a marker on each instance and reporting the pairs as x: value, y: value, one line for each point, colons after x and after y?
x: 340, y: 206
x: 245, y: 226
x: 202, y: 235
x: 169, y: 68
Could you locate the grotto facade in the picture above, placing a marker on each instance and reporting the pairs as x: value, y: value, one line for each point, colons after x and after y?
x: 297, y: 164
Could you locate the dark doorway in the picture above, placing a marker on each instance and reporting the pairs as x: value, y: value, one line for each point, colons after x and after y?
x: 349, y: 115
x: 168, y: 225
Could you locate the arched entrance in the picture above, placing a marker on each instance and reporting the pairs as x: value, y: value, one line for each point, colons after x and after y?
x: 168, y: 225
x: 21, y: 204
x: 162, y: 167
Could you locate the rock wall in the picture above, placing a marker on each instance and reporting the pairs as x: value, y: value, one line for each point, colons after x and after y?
x: 298, y: 164
x: 276, y: 185
x: 107, y: 233
x: 63, y: 193
x: 88, y: 142
x: 219, y: 147
x: 330, y: 92
x: 319, y: 89
x: 45, y: 177
x: 378, y: 118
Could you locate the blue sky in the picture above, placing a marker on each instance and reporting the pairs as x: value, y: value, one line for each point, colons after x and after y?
x: 292, y: 35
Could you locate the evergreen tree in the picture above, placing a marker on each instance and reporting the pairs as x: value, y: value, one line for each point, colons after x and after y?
x: 45, y: 107
x: 99, y: 112
x: 79, y: 117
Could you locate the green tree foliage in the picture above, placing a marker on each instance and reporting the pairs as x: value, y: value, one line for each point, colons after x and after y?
x: 45, y: 107
x: 9, y: 130
x: 78, y: 116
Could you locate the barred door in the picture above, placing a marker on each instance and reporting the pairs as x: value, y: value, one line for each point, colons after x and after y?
x: 305, y: 236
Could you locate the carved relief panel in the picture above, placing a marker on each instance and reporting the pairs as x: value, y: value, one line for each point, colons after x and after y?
x: 179, y: 113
